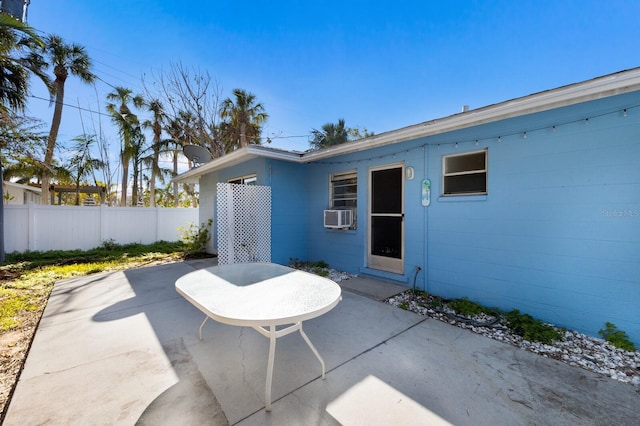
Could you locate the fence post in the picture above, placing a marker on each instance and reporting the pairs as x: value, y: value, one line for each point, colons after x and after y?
x: 157, y: 223
x: 31, y: 227
x: 103, y: 224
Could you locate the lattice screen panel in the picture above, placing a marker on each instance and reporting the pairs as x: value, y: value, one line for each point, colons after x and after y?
x: 244, y: 223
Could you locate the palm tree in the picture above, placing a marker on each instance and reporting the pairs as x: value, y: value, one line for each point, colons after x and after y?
x: 330, y: 135
x: 157, y: 109
x: 19, y: 56
x: 181, y: 131
x: 81, y: 164
x: 8, y: 21
x: 242, y: 120
x: 136, y: 152
x: 128, y: 127
x: 64, y: 58
x: 14, y: 72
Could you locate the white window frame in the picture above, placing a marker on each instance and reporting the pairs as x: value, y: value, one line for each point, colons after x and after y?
x: 483, y: 170
x: 334, y: 178
x: 244, y: 180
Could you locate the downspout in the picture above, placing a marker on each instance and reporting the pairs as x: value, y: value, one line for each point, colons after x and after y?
x: 415, y: 277
x: 425, y: 224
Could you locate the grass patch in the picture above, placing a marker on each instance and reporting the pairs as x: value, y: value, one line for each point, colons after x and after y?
x: 26, y: 279
x: 12, y: 303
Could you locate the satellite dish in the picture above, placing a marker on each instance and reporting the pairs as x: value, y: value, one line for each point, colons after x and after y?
x: 197, y: 154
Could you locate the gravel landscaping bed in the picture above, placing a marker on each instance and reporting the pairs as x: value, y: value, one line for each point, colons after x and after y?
x: 575, y: 348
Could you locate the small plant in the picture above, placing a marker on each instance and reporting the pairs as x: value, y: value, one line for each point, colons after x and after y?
x: 466, y: 307
x: 8, y: 197
x: 404, y: 305
x: 437, y: 302
x: 617, y: 338
x: 195, y: 238
x: 531, y: 329
x: 421, y: 294
x: 110, y: 245
x: 320, y: 271
x: 319, y: 268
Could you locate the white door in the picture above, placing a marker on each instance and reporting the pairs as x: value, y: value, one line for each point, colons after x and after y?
x: 386, y: 219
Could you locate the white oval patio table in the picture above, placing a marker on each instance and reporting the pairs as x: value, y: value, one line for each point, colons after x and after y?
x: 263, y: 296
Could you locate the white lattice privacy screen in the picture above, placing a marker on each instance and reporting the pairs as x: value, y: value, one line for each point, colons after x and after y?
x: 244, y: 223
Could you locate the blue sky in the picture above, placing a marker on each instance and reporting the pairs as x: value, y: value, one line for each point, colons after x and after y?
x: 379, y: 65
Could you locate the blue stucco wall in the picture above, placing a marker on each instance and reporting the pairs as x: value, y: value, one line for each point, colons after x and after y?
x: 557, y: 236
x: 288, y: 203
x: 347, y: 249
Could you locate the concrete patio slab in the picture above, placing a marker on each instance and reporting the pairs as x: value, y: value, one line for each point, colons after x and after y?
x: 369, y: 287
x: 123, y: 348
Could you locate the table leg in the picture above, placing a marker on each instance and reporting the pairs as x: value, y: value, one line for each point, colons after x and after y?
x: 272, y: 334
x: 202, y: 325
x: 272, y: 353
x: 313, y: 348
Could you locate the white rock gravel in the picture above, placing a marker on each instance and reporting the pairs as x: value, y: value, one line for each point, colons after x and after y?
x: 575, y: 348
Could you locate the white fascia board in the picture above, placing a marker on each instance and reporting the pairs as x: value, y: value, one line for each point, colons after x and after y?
x: 236, y: 157
x: 601, y: 87
x: 22, y: 186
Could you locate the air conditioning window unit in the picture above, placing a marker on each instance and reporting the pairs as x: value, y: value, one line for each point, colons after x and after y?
x: 338, y: 218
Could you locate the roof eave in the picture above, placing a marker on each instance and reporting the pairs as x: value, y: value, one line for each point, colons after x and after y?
x: 609, y: 85
x: 597, y: 88
x: 236, y: 157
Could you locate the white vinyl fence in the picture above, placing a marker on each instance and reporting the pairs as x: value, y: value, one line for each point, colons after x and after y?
x: 37, y: 227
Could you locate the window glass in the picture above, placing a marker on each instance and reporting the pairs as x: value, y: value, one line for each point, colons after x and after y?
x: 245, y: 180
x: 465, y: 174
x: 344, y: 193
x: 344, y: 190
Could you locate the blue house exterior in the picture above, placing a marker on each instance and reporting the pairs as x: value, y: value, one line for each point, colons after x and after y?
x: 534, y: 204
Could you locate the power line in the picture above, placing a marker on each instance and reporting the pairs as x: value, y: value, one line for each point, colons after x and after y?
x: 72, y: 106
x: 79, y: 108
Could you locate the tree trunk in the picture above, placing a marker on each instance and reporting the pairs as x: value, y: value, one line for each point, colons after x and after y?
x: 134, y: 185
x: 61, y: 76
x: 2, y: 254
x: 175, y: 173
x: 125, y: 179
x: 152, y: 182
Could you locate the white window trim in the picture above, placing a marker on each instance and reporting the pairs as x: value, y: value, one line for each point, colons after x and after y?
x: 338, y: 176
x: 354, y: 209
x: 252, y: 177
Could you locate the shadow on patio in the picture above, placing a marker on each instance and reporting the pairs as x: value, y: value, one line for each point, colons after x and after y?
x: 123, y: 348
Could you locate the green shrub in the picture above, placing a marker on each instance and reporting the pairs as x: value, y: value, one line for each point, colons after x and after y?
x: 195, y: 238
x: 530, y: 328
x: 617, y: 338
x: 437, y: 302
x: 319, y: 268
x: 110, y: 245
x: 466, y: 307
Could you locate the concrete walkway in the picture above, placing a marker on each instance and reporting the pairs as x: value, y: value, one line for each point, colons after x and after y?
x: 123, y: 348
